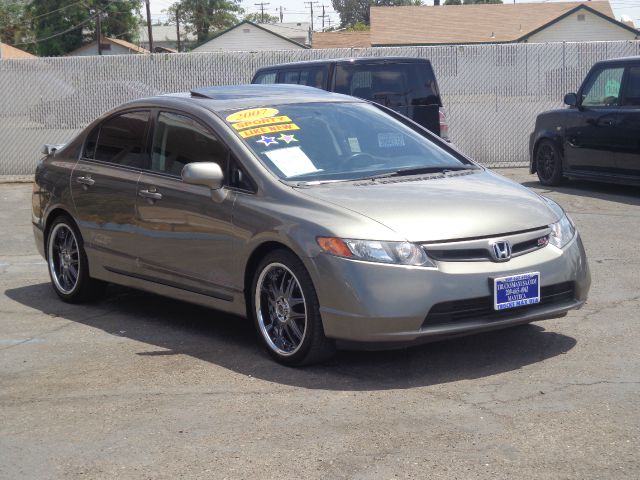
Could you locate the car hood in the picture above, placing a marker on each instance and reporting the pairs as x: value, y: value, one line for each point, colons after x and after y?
x: 442, y: 208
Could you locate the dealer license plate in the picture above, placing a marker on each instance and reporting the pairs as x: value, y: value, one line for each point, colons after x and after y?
x: 516, y: 290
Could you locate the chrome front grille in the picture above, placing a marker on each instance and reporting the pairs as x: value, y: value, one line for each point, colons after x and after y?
x: 480, y: 249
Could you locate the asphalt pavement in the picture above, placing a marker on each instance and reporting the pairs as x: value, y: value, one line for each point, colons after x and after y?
x: 142, y: 387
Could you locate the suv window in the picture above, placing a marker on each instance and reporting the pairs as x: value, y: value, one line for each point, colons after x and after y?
x: 179, y: 140
x: 392, y: 85
x: 122, y: 140
x: 631, y: 94
x: 265, y: 77
x: 312, y: 76
x: 603, y: 88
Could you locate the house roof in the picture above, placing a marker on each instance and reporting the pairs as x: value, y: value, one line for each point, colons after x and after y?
x: 123, y: 43
x: 341, y: 40
x: 260, y: 26
x: 288, y: 29
x: 165, y: 33
x: 481, y: 23
x: 7, y: 52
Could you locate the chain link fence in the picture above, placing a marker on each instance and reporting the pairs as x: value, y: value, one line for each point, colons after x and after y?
x: 492, y: 93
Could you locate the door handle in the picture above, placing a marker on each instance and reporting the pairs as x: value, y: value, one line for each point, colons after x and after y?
x: 151, y: 194
x: 85, y: 180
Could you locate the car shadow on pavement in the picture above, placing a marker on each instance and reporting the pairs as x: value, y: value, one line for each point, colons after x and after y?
x: 171, y: 327
x: 602, y: 191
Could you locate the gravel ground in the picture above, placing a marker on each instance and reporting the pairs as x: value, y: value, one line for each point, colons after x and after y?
x: 138, y: 386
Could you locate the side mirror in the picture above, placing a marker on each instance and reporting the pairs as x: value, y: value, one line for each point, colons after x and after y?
x: 208, y: 174
x: 571, y: 99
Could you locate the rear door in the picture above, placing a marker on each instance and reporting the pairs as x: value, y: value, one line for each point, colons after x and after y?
x: 103, y: 185
x: 591, y: 139
x: 408, y: 88
x: 186, y: 236
x: 628, y: 125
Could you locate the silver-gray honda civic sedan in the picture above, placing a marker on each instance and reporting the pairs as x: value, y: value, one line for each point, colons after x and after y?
x: 326, y: 219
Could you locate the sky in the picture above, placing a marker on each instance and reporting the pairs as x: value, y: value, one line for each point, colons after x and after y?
x: 297, y: 11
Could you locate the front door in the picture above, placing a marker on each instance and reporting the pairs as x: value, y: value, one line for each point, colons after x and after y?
x: 628, y: 157
x: 591, y: 140
x: 104, y: 188
x: 185, y: 235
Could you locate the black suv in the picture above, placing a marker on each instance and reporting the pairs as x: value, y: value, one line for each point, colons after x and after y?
x: 406, y: 85
x: 598, y: 137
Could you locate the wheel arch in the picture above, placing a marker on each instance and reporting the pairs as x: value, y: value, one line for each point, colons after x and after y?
x: 49, y: 219
x: 258, y: 253
x: 555, y: 139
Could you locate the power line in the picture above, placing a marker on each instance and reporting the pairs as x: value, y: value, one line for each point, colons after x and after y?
x: 31, y: 19
x: 38, y: 40
x: 261, y: 5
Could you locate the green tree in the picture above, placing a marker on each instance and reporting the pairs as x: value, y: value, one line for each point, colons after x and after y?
x: 14, y: 24
x: 59, y: 27
x: 258, y: 18
x: 205, y: 17
x: 477, y: 2
x: 453, y: 2
x: 357, y: 11
x: 359, y: 27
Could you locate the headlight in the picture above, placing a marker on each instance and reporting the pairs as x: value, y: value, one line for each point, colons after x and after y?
x: 564, y: 229
x: 562, y: 232
x: 398, y: 253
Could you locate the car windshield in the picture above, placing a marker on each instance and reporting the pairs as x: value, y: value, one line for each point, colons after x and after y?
x: 316, y: 142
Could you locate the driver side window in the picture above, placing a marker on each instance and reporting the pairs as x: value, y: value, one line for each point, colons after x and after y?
x: 603, y: 89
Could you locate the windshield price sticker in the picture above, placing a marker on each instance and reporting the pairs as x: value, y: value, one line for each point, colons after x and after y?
x: 516, y: 291
x: 251, y: 114
x: 254, y: 132
x: 261, y: 121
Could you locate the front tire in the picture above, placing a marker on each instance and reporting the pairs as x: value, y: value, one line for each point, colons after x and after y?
x: 286, y: 311
x: 67, y: 263
x: 549, y: 163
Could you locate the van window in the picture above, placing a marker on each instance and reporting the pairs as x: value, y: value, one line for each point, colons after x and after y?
x: 265, y: 78
x: 631, y: 92
x: 603, y: 88
x: 392, y: 85
x: 310, y: 76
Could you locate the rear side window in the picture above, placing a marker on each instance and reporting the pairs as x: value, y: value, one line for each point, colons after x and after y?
x: 392, y: 85
x: 603, y: 88
x: 265, y: 78
x: 90, y: 144
x: 179, y: 140
x: 631, y: 94
x: 122, y: 140
x: 311, y: 76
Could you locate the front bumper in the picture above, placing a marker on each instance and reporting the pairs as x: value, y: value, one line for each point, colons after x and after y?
x: 389, y: 304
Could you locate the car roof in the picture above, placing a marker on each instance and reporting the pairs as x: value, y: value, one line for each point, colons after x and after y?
x: 218, y: 99
x: 634, y: 59
x: 347, y: 60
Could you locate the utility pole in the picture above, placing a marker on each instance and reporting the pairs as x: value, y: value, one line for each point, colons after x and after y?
x: 261, y: 5
x: 99, y: 30
x: 149, y: 28
x: 311, y: 4
x: 323, y: 16
x: 178, y: 26
x: 281, y: 14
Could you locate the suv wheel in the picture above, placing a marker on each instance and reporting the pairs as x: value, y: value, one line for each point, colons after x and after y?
x: 286, y: 311
x: 549, y: 163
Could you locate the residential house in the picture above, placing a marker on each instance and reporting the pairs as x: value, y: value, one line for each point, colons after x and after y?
x: 497, y: 23
x: 109, y: 46
x: 299, y: 32
x: 165, y: 38
x: 249, y: 36
x: 7, y: 52
x: 341, y: 39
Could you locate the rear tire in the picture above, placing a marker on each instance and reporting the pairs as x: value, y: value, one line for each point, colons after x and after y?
x: 68, y: 265
x: 549, y: 163
x: 286, y: 312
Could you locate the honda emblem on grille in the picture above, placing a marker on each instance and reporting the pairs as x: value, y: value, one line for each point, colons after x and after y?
x: 501, y: 250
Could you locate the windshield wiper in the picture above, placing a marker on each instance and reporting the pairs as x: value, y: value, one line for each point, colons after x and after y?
x: 417, y: 171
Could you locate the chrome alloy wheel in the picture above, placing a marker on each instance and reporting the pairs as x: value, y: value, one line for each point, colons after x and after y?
x: 281, y: 309
x: 64, y: 258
